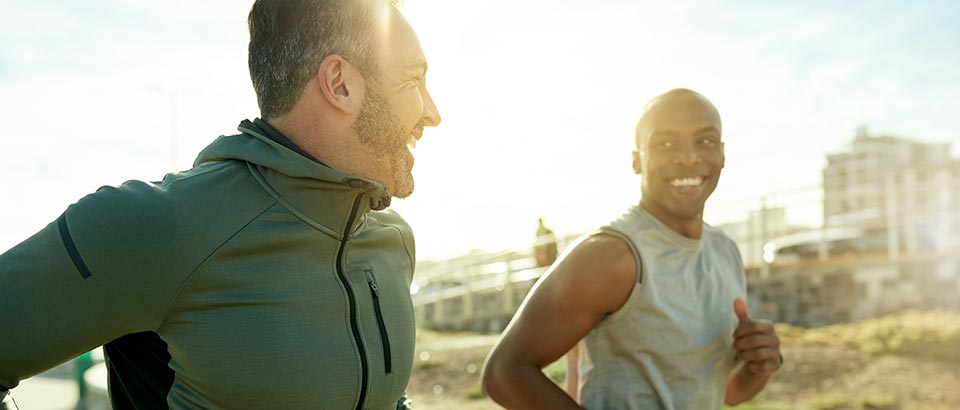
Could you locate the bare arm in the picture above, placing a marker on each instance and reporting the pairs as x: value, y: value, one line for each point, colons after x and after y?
x: 758, y: 353
x: 590, y: 281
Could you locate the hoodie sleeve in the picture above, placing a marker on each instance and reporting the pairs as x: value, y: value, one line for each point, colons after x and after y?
x: 99, y: 271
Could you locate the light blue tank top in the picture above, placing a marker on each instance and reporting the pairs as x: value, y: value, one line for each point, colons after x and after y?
x: 670, y: 345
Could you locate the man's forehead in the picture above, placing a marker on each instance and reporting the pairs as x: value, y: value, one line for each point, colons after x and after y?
x: 680, y: 107
x: 677, y: 114
x: 679, y: 104
x: 398, y: 42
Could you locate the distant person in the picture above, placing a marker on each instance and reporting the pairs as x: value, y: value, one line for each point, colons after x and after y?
x: 657, y: 296
x: 270, y: 275
x: 545, y: 248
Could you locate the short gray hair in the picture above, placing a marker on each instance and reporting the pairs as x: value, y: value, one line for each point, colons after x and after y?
x: 290, y: 38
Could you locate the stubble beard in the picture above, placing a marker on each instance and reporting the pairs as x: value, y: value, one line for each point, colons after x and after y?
x: 380, y: 129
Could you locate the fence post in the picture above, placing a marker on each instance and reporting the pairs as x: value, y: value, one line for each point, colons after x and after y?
x: 893, y: 220
x: 909, y: 220
x: 764, y: 266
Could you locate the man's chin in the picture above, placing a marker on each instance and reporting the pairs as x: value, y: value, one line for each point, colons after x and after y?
x: 404, y: 187
x: 403, y: 194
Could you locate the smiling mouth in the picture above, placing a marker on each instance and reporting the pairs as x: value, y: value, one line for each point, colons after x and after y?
x: 411, y: 144
x: 417, y: 132
x: 686, y: 182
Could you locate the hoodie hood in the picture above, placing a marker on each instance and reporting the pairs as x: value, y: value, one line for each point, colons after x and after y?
x: 253, y: 146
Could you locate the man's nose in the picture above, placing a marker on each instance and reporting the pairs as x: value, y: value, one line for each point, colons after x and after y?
x: 431, y: 115
x: 686, y: 154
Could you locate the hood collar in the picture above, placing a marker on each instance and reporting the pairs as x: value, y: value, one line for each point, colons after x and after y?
x: 254, y: 146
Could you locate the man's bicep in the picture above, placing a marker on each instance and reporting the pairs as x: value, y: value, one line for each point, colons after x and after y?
x: 567, y: 302
x: 551, y: 320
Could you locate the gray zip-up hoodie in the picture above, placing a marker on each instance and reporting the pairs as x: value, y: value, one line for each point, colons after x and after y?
x: 257, y: 279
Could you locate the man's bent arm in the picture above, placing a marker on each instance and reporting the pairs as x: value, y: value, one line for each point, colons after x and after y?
x: 592, y: 280
x: 90, y: 276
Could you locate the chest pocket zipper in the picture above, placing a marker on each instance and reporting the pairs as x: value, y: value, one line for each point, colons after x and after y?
x: 384, y: 337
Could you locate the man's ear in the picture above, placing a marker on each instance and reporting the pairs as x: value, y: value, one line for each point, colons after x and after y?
x: 636, y: 162
x: 341, y: 84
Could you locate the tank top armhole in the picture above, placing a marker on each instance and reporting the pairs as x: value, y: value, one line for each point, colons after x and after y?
x: 612, y: 317
x: 633, y: 249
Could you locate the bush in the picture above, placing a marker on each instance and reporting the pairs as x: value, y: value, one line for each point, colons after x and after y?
x: 929, y: 334
x: 885, y: 403
x: 830, y: 404
x: 758, y: 406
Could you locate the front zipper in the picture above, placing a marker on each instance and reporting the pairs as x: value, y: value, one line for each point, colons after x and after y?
x: 354, y: 324
x: 387, y: 362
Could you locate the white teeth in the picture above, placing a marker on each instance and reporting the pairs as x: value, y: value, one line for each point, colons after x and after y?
x: 686, y: 182
x: 412, y: 142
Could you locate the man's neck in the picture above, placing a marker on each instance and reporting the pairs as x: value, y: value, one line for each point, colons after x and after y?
x: 690, y: 227
x: 282, y: 139
x: 314, y: 137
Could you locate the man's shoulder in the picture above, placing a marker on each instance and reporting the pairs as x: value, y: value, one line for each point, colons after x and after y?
x: 603, y: 254
x: 599, y: 270
x: 167, y: 226
x: 717, y: 235
x: 391, y: 218
x: 721, y: 246
x: 183, y: 208
x: 603, y: 243
x: 214, y: 188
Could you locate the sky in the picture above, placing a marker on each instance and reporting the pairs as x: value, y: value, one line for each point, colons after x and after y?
x: 539, y: 100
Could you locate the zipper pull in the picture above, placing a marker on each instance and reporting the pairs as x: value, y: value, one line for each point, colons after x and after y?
x: 373, y: 287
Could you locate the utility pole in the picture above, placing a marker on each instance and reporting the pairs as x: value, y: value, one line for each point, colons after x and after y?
x: 173, y: 95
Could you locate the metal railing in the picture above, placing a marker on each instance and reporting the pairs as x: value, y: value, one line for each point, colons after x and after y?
x: 899, y: 222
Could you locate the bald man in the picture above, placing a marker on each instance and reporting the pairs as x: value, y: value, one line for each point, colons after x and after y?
x: 652, y: 304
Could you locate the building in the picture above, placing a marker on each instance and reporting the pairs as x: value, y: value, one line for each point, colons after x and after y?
x: 890, y: 186
x: 903, y: 196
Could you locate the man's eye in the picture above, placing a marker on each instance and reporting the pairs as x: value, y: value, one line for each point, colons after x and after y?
x: 665, y: 144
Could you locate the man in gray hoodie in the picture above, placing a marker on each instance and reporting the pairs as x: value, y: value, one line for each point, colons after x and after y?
x: 271, y: 274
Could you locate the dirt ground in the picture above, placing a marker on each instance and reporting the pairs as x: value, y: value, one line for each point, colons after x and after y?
x: 447, y: 369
